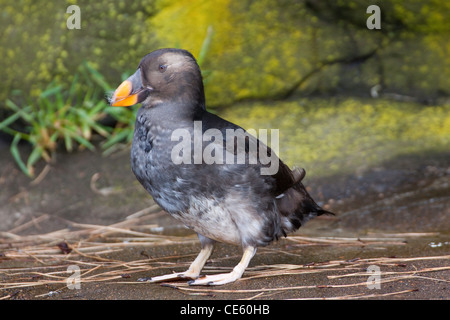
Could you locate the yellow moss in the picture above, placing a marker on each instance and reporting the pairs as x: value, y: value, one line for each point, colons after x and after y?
x: 192, y: 21
x: 98, y: 51
x: 259, y: 48
x: 327, y: 136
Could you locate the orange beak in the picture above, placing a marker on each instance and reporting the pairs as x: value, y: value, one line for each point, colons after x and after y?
x: 122, y: 96
x: 130, y: 92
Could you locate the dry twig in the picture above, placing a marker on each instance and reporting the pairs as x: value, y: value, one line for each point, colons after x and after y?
x: 87, y: 246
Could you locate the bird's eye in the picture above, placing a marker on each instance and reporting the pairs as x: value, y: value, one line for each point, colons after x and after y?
x: 162, y: 68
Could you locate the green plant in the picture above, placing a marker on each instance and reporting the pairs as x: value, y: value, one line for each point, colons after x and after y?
x: 70, y: 115
x: 123, y: 132
x: 58, y: 115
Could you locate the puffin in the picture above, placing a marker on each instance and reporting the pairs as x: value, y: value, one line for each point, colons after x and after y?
x: 210, y: 174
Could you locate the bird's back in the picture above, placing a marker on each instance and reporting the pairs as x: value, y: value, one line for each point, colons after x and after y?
x: 227, y: 201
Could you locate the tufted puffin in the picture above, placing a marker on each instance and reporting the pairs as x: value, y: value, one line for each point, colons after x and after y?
x: 205, y: 171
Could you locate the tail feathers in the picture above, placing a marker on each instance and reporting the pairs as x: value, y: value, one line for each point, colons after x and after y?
x: 297, y: 207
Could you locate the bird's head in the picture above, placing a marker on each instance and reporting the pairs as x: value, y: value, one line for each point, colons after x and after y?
x: 163, y: 76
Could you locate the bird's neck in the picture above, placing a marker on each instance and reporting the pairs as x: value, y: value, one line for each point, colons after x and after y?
x: 170, y: 115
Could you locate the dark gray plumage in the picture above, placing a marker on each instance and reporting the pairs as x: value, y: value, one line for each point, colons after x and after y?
x: 227, y: 202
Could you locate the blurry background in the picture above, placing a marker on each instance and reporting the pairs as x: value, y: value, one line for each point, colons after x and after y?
x: 365, y: 112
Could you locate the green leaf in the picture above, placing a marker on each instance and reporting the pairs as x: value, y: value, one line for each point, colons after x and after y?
x: 5, y: 123
x: 35, y: 155
x: 101, y: 130
x: 12, y: 105
x: 115, y: 139
x: 16, y: 155
x: 68, y: 142
x: 97, y: 77
x: 73, y: 86
x: 52, y: 90
x: 205, y: 46
x: 84, y: 142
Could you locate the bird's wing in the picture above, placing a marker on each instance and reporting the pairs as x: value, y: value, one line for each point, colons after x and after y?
x: 252, y: 149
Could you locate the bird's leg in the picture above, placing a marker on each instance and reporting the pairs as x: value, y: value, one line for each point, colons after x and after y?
x: 219, y: 279
x: 194, y: 270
